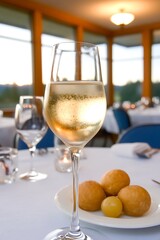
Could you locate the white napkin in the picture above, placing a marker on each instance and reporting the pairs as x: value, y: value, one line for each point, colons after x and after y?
x: 128, y: 149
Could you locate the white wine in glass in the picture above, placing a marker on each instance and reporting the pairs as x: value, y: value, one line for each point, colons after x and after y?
x: 31, y: 127
x: 74, y: 108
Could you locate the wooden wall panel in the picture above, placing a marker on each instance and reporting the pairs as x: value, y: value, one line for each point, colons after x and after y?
x: 37, y: 55
x: 147, y: 43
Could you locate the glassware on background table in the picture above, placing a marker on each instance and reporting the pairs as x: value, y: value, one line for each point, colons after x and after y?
x: 8, y: 164
x: 156, y: 101
x: 31, y: 127
x: 74, y: 108
x: 62, y: 159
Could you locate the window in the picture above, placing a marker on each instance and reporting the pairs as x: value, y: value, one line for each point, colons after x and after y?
x: 15, y: 57
x: 127, y: 68
x: 101, y: 42
x: 156, y: 64
x: 53, y: 33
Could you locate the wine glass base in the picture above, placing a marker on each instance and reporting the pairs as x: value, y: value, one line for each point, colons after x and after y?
x: 33, y: 176
x: 63, y: 234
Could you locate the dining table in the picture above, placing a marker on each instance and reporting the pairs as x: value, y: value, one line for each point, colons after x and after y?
x: 30, y: 210
x: 137, y: 116
x: 7, y: 131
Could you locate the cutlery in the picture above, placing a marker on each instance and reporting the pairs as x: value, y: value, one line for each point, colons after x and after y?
x: 146, y: 152
x: 43, y: 151
x: 158, y: 182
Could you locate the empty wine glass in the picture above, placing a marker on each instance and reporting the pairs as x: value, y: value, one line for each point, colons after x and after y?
x: 31, y: 127
x: 74, y: 108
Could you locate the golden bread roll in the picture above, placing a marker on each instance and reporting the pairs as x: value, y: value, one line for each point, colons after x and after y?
x: 135, y: 199
x: 91, y: 195
x: 114, y: 180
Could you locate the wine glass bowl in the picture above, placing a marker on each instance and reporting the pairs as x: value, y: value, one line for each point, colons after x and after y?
x: 74, y: 108
x: 79, y: 114
x: 31, y: 127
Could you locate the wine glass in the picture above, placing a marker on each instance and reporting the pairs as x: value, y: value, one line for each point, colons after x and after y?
x: 74, y: 108
x: 31, y: 127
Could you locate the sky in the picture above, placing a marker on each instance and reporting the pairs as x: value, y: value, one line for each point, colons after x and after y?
x: 14, y: 55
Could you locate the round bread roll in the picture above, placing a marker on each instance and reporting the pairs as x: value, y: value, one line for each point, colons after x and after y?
x: 135, y: 199
x: 91, y: 195
x: 114, y: 180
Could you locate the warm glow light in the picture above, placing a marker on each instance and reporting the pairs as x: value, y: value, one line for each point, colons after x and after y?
x: 122, y: 18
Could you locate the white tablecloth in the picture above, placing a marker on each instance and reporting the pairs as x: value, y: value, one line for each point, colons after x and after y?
x: 137, y: 116
x: 7, y: 131
x: 28, y: 211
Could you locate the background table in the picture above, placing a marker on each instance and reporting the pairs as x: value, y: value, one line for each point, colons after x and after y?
x: 137, y: 116
x: 28, y: 211
x: 7, y: 131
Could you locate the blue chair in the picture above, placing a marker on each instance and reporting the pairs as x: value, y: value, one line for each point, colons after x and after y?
x: 122, y: 118
x: 148, y: 133
x: 101, y: 139
x: 46, y: 142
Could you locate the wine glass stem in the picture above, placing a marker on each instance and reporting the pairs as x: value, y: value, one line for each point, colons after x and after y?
x: 75, y: 227
x: 32, y: 153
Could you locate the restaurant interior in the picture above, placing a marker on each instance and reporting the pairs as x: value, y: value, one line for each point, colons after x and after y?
x: 36, y: 171
x: 129, y: 52
x: 101, y: 182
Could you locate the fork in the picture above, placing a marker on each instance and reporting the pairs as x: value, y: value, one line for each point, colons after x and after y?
x: 146, y: 152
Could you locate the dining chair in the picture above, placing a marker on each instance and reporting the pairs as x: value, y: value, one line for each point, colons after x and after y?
x: 46, y: 142
x: 122, y: 118
x: 102, y: 139
x: 148, y: 133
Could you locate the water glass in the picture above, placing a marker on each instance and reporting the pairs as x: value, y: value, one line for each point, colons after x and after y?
x: 8, y: 164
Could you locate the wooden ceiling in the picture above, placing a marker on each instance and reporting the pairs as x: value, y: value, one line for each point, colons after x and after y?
x: 100, y: 11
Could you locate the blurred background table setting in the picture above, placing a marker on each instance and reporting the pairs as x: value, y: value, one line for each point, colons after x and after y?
x: 7, y: 131
x: 134, y: 149
x: 137, y: 116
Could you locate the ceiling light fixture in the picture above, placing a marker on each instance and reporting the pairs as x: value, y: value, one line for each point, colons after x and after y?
x: 122, y: 18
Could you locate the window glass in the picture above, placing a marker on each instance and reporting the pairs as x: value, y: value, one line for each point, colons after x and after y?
x: 101, y: 42
x: 127, y: 68
x: 53, y: 33
x: 156, y: 64
x: 15, y: 57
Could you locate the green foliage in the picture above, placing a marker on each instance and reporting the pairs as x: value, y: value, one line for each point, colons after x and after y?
x: 129, y: 92
x: 9, y: 94
x: 156, y: 89
x: 132, y: 92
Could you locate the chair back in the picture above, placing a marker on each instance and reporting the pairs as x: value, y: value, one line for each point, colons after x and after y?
x: 46, y: 142
x: 148, y: 133
x: 122, y: 118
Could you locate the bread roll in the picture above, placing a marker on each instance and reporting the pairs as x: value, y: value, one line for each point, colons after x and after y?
x: 135, y: 199
x: 114, y: 180
x: 91, y: 195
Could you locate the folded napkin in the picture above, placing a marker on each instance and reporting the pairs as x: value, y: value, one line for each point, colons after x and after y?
x: 128, y: 149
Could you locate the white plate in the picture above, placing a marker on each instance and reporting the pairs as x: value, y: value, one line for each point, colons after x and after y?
x: 63, y: 200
